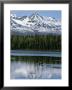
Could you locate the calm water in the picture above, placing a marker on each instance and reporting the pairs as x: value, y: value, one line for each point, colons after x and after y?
x: 35, y: 67
x: 35, y: 53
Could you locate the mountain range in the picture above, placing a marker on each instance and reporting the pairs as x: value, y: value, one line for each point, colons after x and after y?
x: 34, y: 24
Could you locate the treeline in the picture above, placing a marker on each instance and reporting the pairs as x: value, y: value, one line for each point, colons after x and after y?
x: 37, y: 42
x: 37, y: 59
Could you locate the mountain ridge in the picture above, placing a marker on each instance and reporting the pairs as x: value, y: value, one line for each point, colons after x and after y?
x: 34, y: 24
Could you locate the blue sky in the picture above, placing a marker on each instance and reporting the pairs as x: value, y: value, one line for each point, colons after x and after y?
x: 50, y: 13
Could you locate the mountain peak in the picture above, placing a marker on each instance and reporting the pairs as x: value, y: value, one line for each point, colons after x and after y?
x: 35, y: 17
x: 35, y: 23
x: 35, y: 13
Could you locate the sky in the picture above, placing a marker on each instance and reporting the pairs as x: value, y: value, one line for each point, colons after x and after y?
x: 50, y: 13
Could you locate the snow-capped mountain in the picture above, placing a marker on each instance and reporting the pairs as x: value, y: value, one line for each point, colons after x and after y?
x: 34, y: 24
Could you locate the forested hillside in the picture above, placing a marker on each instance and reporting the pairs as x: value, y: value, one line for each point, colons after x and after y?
x: 37, y: 42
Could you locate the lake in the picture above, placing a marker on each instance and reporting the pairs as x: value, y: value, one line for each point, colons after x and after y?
x: 35, y: 53
x: 35, y: 65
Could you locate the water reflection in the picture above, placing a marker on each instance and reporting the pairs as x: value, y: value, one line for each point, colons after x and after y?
x: 35, y: 68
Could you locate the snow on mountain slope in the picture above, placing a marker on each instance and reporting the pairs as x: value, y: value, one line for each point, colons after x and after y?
x: 34, y: 24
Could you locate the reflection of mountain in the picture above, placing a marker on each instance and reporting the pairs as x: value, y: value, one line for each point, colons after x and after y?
x: 34, y: 24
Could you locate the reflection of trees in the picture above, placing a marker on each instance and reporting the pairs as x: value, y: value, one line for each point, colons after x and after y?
x: 37, y: 60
